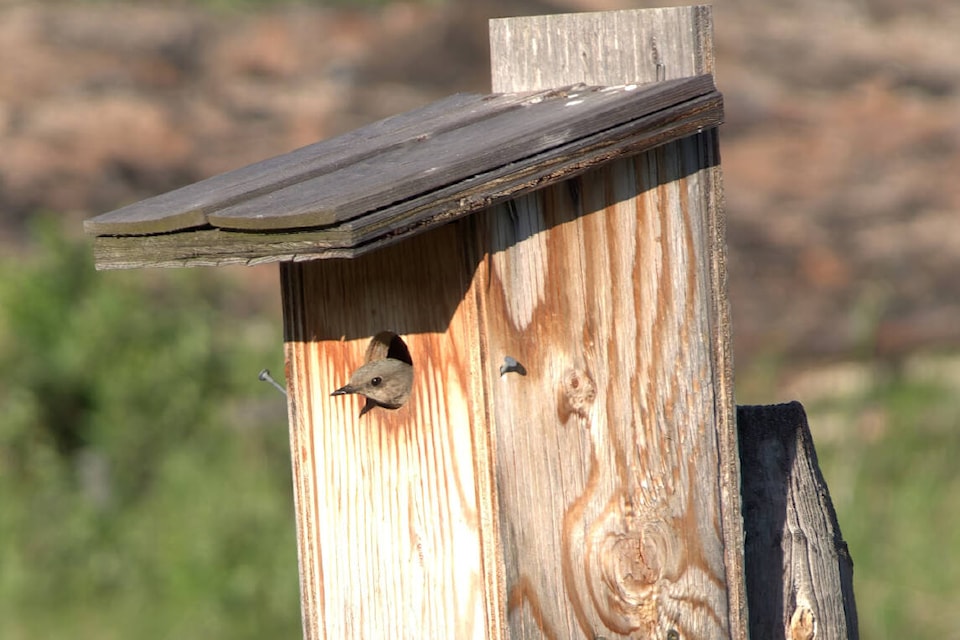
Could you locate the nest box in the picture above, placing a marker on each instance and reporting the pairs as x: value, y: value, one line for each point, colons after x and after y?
x: 549, y: 258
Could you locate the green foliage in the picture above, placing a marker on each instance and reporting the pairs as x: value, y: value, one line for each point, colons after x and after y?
x: 144, y: 471
x: 893, y: 474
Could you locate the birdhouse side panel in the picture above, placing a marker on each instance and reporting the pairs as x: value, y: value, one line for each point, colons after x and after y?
x: 607, y: 452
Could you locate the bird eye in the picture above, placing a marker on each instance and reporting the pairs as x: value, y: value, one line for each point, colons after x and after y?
x: 376, y: 381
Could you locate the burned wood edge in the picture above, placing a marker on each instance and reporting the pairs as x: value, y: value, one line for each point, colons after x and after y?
x: 212, y: 246
x: 798, y: 570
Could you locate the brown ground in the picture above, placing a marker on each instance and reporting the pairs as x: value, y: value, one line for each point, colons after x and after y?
x: 841, y: 151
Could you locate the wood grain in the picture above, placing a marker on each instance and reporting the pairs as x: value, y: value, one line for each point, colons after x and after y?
x: 391, y: 507
x: 188, y: 206
x: 700, y: 107
x: 603, y: 48
x: 798, y: 568
x: 438, y: 158
x: 607, y: 456
x: 395, y: 159
x: 616, y: 455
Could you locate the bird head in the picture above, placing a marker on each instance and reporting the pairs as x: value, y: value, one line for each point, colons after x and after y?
x: 384, y: 383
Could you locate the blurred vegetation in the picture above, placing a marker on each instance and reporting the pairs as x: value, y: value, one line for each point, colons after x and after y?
x: 144, y: 470
x: 894, y: 477
x: 887, y: 439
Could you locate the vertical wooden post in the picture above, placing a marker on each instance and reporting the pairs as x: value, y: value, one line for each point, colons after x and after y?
x: 616, y: 455
x: 799, y: 572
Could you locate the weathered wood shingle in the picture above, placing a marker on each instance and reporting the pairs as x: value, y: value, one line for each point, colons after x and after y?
x: 400, y: 176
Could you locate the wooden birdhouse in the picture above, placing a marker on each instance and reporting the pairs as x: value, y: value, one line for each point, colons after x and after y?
x: 549, y: 258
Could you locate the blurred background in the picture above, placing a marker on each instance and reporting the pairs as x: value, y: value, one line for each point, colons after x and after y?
x: 144, y: 471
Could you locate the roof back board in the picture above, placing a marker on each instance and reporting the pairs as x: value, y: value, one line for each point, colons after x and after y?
x: 400, y: 176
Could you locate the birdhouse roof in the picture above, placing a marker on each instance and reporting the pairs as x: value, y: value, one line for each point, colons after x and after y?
x: 401, y: 176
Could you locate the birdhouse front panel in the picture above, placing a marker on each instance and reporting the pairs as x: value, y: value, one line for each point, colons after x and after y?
x: 390, y: 494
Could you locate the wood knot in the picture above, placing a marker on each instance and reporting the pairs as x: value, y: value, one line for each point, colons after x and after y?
x: 577, y: 393
x: 636, y: 559
x: 803, y: 624
x: 631, y: 558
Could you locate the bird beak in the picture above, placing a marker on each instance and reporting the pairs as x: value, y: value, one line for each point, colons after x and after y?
x: 370, y: 404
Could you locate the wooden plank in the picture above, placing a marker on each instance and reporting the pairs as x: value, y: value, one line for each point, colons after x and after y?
x: 439, y: 158
x: 617, y: 470
x: 207, y: 247
x: 189, y: 206
x: 799, y: 572
x: 537, y: 171
x: 607, y: 452
x: 394, y: 509
x: 394, y: 160
x: 535, y: 52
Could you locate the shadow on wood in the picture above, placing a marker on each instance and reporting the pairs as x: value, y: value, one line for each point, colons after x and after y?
x: 799, y: 572
x: 421, y: 273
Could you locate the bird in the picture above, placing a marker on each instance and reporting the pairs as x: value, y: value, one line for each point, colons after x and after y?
x: 384, y: 383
